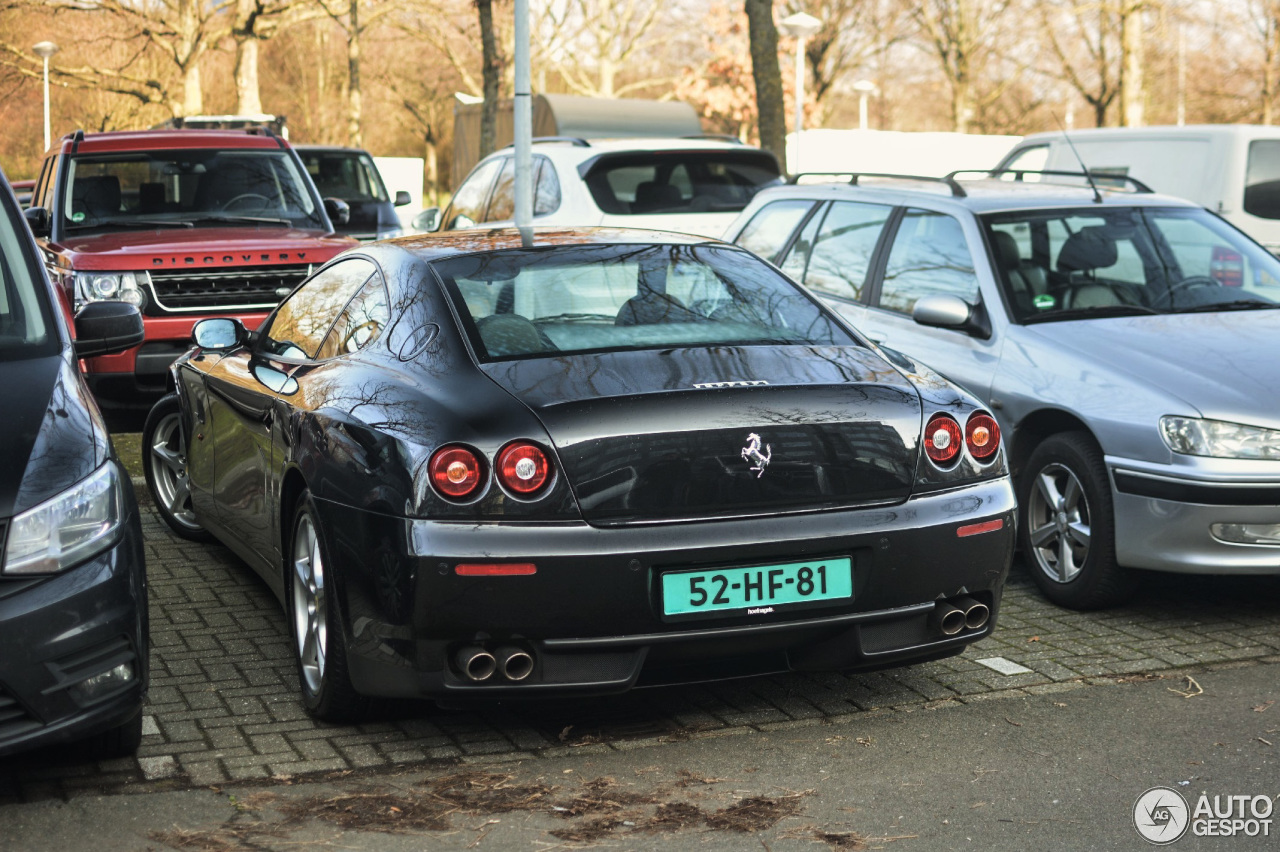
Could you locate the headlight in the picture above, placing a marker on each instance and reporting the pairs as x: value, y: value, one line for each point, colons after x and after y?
x: 68, y: 529
x: 110, y: 286
x: 1195, y: 437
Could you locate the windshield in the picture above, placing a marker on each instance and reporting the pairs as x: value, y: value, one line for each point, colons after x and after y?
x: 349, y: 175
x: 680, y: 182
x: 26, y: 328
x: 1073, y: 263
x: 518, y: 304
x: 187, y: 188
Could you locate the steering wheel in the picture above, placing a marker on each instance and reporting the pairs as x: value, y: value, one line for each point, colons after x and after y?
x: 265, y: 202
x: 1189, y: 283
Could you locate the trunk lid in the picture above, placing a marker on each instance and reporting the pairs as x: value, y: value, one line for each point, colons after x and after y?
x: 697, y: 433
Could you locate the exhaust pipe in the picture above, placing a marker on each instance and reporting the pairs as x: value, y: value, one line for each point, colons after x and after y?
x: 514, y: 663
x: 947, y: 619
x: 976, y: 613
x: 475, y: 663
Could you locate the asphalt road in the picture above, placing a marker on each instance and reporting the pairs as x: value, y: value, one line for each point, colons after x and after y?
x: 1058, y: 771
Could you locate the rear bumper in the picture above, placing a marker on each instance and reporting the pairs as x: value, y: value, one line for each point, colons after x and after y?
x: 591, y: 615
x: 61, y: 630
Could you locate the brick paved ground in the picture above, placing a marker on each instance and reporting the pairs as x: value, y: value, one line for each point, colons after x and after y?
x: 223, y: 703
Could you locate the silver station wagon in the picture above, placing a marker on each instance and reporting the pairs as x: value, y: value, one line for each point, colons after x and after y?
x: 1127, y: 343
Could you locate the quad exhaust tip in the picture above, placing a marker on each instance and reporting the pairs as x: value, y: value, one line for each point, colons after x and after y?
x: 475, y: 663
x: 950, y: 617
x: 514, y: 663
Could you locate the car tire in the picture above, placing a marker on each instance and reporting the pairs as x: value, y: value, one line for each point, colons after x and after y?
x: 315, y: 623
x: 121, y: 741
x: 1067, y: 529
x: 164, y: 462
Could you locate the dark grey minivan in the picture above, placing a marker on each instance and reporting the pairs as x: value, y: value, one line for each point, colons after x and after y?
x: 351, y: 175
x: 73, y: 591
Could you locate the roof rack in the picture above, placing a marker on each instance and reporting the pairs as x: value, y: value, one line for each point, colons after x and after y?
x: 956, y: 189
x: 1095, y: 174
x: 76, y: 139
x: 575, y: 141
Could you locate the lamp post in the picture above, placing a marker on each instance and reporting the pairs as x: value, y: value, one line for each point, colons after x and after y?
x: 44, y: 50
x: 864, y: 88
x: 799, y: 26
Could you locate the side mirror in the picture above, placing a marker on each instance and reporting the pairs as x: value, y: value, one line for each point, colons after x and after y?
x: 219, y: 333
x: 37, y: 220
x: 105, y: 328
x: 954, y: 313
x: 427, y: 221
x: 338, y: 210
x: 402, y: 198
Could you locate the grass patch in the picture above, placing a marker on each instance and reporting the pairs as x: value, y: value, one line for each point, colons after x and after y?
x: 129, y: 448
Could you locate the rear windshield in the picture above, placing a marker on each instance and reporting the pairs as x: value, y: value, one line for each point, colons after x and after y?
x: 349, y: 175
x: 187, y: 188
x: 528, y: 303
x: 1262, y: 179
x: 26, y: 327
x: 679, y: 182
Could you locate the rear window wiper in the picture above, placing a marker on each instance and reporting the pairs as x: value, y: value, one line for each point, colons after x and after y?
x: 252, y: 220
x: 1233, y: 305
x: 1091, y: 312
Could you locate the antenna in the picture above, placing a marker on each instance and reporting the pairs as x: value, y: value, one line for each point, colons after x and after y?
x: 1097, y: 196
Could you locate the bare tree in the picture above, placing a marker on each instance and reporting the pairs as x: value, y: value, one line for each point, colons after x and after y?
x: 254, y: 22
x: 963, y: 35
x: 354, y: 18
x: 492, y: 74
x: 1132, y: 89
x: 591, y: 43
x: 1083, y: 37
x: 763, y: 35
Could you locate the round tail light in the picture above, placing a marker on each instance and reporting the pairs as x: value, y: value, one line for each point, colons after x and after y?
x: 523, y: 468
x: 942, y: 439
x: 455, y: 471
x: 982, y: 436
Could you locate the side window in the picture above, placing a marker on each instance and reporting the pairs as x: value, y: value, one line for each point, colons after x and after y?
x: 769, y: 230
x: 546, y: 193
x: 303, y: 320
x: 929, y: 258
x: 361, y: 321
x: 841, y: 255
x: 797, y: 259
x: 503, y: 203
x: 48, y: 180
x: 1031, y: 159
x: 468, y: 203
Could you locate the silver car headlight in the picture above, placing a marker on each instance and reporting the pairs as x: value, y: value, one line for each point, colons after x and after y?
x: 1196, y: 437
x: 67, y: 529
x: 110, y: 286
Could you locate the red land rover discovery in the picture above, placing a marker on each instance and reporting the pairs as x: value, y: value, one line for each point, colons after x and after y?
x: 184, y: 224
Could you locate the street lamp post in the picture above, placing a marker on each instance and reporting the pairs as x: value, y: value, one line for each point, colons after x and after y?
x: 799, y: 26
x: 863, y: 88
x: 44, y: 50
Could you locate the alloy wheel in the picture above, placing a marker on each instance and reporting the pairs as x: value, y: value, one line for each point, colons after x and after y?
x: 169, y: 471
x: 1058, y: 516
x: 310, y: 627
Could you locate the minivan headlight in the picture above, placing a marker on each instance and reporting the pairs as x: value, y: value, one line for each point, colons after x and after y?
x: 110, y: 286
x: 1196, y: 437
x: 67, y: 529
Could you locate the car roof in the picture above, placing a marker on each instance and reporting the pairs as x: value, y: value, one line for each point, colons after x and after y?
x: 438, y: 246
x: 576, y: 149
x: 152, y: 140
x: 329, y: 149
x: 1157, y: 131
x: 985, y: 195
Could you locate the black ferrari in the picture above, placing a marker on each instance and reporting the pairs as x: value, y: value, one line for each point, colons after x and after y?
x: 494, y: 465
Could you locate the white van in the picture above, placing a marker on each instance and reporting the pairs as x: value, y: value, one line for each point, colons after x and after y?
x: 1232, y: 169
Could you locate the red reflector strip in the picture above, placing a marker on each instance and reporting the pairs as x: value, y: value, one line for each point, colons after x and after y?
x: 978, y: 529
x: 495, y: 569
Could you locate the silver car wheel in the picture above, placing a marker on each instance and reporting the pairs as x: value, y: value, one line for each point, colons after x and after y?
x: 310, y: 623
x: 1059, y: 517
x: 168, y: 461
